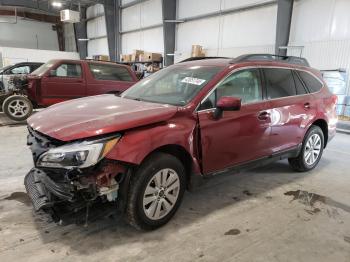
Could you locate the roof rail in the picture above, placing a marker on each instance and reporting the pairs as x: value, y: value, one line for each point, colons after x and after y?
x: 201, y: 58
x: 270, y: 57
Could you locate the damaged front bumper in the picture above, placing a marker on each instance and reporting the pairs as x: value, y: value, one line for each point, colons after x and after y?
x: 63, y: 194
x: 64, y: 190
x: 43, y: 190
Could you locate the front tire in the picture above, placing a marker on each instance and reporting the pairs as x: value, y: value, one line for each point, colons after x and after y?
x: 17, y: 107
x: 156, y: 191
x: 311, y: 152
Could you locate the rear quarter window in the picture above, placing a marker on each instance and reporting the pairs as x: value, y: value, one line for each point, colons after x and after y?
x: 110, y: 72
x: 311, y: 82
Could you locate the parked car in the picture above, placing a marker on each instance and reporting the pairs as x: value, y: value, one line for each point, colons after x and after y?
x: 189, y: 121
x: 7, y: 72
x: 60, y: 80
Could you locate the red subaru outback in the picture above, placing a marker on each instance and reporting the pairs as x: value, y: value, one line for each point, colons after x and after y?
x: 191, y: 120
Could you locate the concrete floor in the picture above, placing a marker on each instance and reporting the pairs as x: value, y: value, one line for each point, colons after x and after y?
x: 244, y: 217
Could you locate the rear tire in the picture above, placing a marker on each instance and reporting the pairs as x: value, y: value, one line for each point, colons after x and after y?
x: 156, y: 191
x: 17, y: 107
x: 311, y: 151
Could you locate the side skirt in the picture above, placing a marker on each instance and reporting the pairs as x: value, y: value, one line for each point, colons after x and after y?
x: 198, y: 179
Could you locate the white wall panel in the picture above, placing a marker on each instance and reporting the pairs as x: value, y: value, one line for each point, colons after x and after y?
x: 96, y: 27
x: 94, y: 11
x: 149, y: 40
x: 131, y: 17
x: 315, y: 20
x: 142, y: 15
x: 244, y: 29
x: 190, y: 8
x: 230, y: 4
x: 98, y: 47
x: 203, y: 32
x: 323, y: 28
x: 12, y: 55
x: 230, y: 35
x: 27, y: 34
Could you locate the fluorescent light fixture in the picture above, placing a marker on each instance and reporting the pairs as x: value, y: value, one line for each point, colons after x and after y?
x: 83, y: 39
x: 56, y: 4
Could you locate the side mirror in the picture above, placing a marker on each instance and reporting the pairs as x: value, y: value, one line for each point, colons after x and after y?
x: 227, y: 103
x: 52, y: 73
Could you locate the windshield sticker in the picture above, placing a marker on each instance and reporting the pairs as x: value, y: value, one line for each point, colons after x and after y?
x: 193, y: 81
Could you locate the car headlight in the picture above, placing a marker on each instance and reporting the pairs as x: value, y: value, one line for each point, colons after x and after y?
x: 80, y: 154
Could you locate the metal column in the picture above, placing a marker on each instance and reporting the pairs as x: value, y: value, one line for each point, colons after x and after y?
x: 81, y: 33
x: 284, y: 19
x: 112, y: 13
x: 169, y: 13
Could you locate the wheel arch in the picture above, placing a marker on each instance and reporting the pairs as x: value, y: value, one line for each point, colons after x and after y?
x: 180, y: 153
x: 321, y: 123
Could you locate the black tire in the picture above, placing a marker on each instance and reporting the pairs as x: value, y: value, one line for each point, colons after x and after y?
x: 24, y: 104
x: 135, y: 214
x: 299, y: 163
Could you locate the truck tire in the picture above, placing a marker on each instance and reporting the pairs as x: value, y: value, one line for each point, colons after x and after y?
x: 156, y: 191
x: 17, y: 107
x: 311, y: 151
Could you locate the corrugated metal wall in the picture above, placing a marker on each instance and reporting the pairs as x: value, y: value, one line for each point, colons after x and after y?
x: 137, y: 17
x: 323, y: 28
x: 96, y: 31
x: 225, y: 35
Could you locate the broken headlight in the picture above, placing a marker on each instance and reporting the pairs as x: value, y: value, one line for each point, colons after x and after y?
x: 81, y: 154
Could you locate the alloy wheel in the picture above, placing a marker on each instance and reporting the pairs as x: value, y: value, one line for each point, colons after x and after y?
x: 161, y: 194
x: 18, y: 108
x: 312, y: 149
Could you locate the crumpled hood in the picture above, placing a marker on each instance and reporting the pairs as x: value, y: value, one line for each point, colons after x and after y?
x: 97, y: 115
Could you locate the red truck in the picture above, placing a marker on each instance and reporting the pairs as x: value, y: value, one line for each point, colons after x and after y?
x: 60, y: 80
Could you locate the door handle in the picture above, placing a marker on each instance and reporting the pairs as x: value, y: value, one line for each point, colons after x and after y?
x: 307, y: 105
x: 264, y: 116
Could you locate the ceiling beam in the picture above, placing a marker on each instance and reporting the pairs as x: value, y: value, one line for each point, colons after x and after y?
x: 32, y: 16
x: 38, y: 5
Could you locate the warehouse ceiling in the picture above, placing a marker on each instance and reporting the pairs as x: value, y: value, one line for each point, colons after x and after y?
x: 47, y: 6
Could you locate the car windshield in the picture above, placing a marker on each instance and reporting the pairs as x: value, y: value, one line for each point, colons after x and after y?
x: 175, y: 85
x: 43, y: 68
x: 4, y: 68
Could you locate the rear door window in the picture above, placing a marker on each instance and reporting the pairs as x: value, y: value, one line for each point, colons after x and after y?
x: 279, y: 83
x: 110, y: 72
x: 310, y: 81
